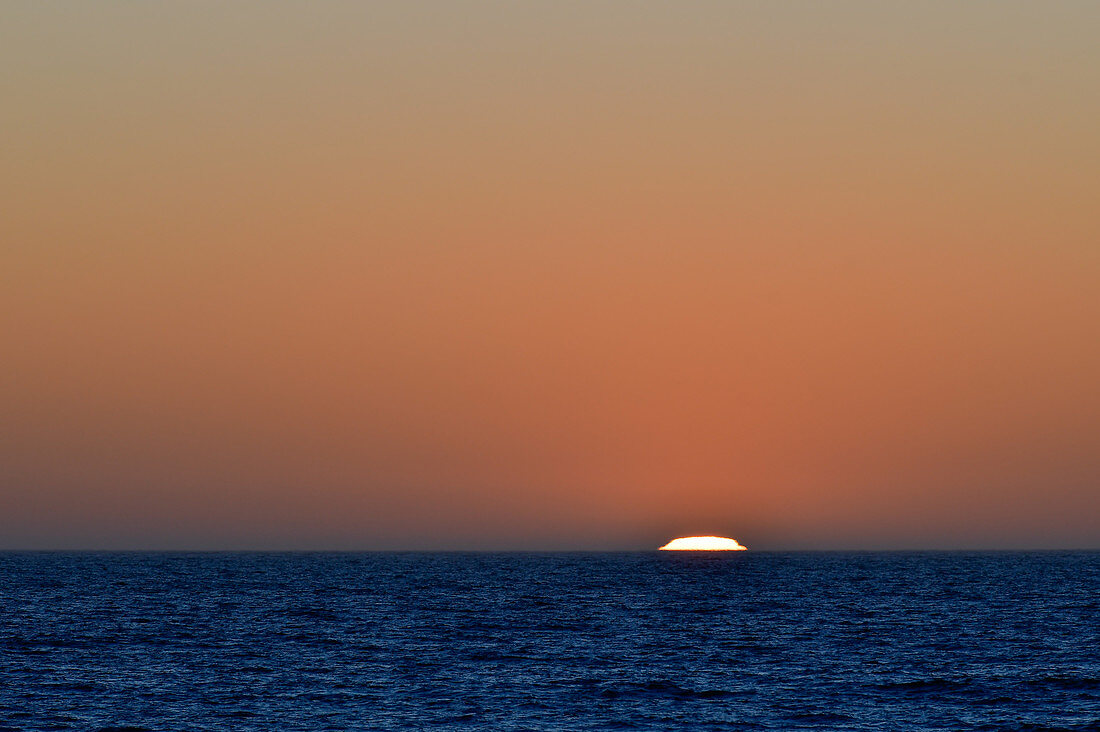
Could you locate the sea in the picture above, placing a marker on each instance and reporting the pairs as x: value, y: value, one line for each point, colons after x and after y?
x: 163, y: 642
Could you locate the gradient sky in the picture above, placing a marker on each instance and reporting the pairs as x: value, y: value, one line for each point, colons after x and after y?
x: 549, y: 275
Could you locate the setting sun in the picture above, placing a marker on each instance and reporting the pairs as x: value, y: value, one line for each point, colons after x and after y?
x: 704, y: 543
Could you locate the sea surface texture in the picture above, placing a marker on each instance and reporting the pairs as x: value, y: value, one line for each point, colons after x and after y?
x: 650, y: 641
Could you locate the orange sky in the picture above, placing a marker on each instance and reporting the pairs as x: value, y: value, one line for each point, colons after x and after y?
x: 549, y: 275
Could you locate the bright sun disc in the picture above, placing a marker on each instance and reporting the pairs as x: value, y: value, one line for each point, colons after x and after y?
x: 704, y: 544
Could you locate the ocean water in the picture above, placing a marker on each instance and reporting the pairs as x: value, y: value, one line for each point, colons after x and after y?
x: 650, y: 641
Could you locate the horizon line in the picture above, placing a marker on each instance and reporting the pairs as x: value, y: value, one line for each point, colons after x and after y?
x: 654, y: 550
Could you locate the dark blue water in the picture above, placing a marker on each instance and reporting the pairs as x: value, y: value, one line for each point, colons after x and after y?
x: 652, y: 641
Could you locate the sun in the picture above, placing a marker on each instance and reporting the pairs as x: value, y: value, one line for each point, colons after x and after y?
x: 704, y: 544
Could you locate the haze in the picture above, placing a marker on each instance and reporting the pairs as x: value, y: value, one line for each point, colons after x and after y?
x: 561, y: 275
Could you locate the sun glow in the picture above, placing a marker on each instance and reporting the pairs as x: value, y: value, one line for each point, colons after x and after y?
x: 704, y: 544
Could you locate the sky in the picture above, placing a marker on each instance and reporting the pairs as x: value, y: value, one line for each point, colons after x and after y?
x: 549, y: 275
